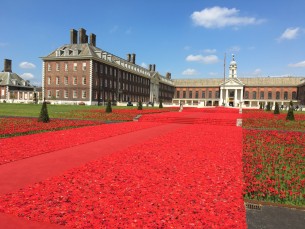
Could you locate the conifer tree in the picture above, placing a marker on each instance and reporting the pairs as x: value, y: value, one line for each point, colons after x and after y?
x: 44, y: 116
x: 276, y: 109
x: 108, y: 108
x: 160, y: 104
x: 268, y: 108
x: 140, y: 106
x: 290, y: 115
x: 260, y: 106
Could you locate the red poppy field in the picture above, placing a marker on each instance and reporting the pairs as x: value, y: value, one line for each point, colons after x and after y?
x: 274, y: 158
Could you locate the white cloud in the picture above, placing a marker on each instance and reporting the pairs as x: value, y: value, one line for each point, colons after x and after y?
x: 27, y: 65
x: 218, y: 17
x: 213, y: 73
x: 144, y: 65
x: 257, y: 72
x: 189, y: 72
x: 211, y: 59
x: 209, y: 50
x: 27, y: 76
x: 299, y: 64
x: 290, y: 34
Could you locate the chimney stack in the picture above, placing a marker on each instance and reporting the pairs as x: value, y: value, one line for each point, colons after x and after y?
x: 153, y: 67
x: 93, y: 39
x: 73, y: 36
x: 133, y: 58
x: 168, y: 75
x: 150, y: 67
x: 7, y: 65
x: 82, y: 36
x: 128, y: 57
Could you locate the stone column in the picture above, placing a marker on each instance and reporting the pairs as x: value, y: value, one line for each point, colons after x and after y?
x: 221, y: 98
x: 235, y: 98
x: 241, y: 95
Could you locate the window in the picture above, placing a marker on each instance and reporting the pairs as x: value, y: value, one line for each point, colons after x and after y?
x: 285, y: 95
x: 261, y: 96
x: 57, y: 93
x: 246, y: 95
x: 49, y: 67
x: 57, y: 80
x: 196, y: 94
x: 210, y: 94
x: 203, y: 95
x: 49, y: 80
x: 106, y: 70
x: 184, y: 94
x: 84, y: 94
x: 110, y: 83
x: 277, y: 95
x: 66, y: 93
x: 75, y: 67
x: 101, y: 68
x: 49, y: 94
x: 66, y: 67
x: 84, y: 80
x: 269, y: 95
x: 74, y: 80
x: 105, y: 82
x: 190, y: 94
x: 57, y: 67
x: 66, y: 80
x: 294, y: 95
x: 254, y: 95
x: 217, y: 94
x: 85, y: 66
x: 74, y: 94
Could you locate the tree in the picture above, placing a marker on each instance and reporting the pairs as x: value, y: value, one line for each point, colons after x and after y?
x: 108, y: 108
x: 160, y: 104
x: 268, y: 108
x: 277, y: 108
x: 140, y: 106
x: 44, y: 116
x: 290, y: 115
x: 260, y: 106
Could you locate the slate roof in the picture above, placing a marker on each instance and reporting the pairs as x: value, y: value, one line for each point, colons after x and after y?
x: 8, y: 79
x: 255, y: 81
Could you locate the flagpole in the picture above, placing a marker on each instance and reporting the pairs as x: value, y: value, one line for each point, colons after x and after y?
x: 224, y: 78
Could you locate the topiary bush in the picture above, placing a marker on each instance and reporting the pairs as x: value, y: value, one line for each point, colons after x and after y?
x: 268, y: 108
x: 276, y: 109
x: 44, y: 115
x: 160, y: 104
x: 290, y: 115
x: 108, y: 108
x: 140, y: 106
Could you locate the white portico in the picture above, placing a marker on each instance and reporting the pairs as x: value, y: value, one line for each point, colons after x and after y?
x: 231, y: 91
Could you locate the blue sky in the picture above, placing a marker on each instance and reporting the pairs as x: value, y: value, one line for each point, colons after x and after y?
x: 185, y: 37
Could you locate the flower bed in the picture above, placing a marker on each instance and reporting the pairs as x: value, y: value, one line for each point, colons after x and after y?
x: 17, y: 126
x: 274, y: 166
x: 20, y: 147
x: 176, y: 180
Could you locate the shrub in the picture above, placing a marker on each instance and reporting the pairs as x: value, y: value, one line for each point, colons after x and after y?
x: 44, y: 116
x: 108, y: 108
x: 276, y: 109
x: 268, y: 108
x: 290, y: 115
x: 140, y: 106
x: 160, y: 104
x: 260, y: 106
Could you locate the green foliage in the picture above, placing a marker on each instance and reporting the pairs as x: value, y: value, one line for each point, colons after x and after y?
x: 140, y: 106
x: 268, y: 108
x: 160, y: 104
x: 290, y: 115
x: 108, y: 108
x: 44, y: 115
x: 276, y: 109
x: 260, y: 106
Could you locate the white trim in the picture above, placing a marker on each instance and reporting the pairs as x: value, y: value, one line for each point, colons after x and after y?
x: 43, y: 80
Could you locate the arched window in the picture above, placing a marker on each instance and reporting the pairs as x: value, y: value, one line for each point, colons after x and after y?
x: 294, y: 95
x: 269, y: 94
x: 246, y: 94
x: 262, y: 95
x: 277, y: 95
x: 254, y: 95
x: 285, y: 95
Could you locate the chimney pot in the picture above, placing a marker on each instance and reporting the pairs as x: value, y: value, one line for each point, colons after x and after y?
x: 154, y: 68
x: 82, y: 36
x: 133, y: 58
x: 150, y: 67
x: 7, y: 65
x: 93, y: 39
x: 128, y: 57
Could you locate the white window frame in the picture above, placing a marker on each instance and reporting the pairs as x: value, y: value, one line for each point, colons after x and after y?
x: 74, y: 94
x: 84, y: 94
x: 57, y: 94
x: 84, y: 66
x: 74, y: 80
x: 57, y: 80
x: 66, y: 80
x: 84, y: 80
x: 75, y: 67
x: 66, y: 94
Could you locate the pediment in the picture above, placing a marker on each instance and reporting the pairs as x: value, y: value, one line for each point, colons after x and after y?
x: 232, y: 82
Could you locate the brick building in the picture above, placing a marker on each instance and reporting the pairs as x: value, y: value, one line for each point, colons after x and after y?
x: 245, y: 92
x: 14, y: 89
x: 79, y: 72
